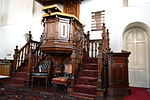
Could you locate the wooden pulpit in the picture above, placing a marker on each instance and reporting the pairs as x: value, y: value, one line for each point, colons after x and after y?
x: 61, y: 31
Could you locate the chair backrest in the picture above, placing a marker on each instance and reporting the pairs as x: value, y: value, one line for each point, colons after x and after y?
x: 45, y: 66
x: 68, y: 69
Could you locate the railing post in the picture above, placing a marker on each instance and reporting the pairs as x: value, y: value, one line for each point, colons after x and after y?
x: 100, y: 89
x: 15, y: 59
x: 30, y: 61
x: 103, y: 62
x: 74, y: 64
x: 88, y: 42
x: 30, y: 36
x: 100, y: 66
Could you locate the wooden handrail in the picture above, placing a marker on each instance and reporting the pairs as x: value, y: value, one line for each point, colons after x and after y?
x: 38, y: 55
x: 21, y: 55
x: 103, y: 59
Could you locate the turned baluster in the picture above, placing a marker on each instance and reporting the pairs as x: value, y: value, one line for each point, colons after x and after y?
x: 96, y: 49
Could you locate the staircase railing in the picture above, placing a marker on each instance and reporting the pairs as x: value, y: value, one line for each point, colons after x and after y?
x: 21, y: 56
x: 37, y: 54
x: 98, y: 49
x: 103, y: 59
x: 91, y: 46
x: 94, y: 44
x: 77, y: 51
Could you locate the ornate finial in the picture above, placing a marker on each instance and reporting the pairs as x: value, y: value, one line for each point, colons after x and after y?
x: 107, y: 34
x: 88, y: 32
x: 30, y: 36
x: 49, y: 11
x: 107, y: 31
x: 16, y: 50
x: 16, y: 47
x: 103, y: 28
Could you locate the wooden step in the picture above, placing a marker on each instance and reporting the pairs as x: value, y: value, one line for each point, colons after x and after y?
x: 21, y: 74
x: 90, y: 60
x: 87, y: 80
x: 89, y: 73
x: 83, y: 95
x: 87, y: 89
x: 90, y: 66
x: 15, y: 85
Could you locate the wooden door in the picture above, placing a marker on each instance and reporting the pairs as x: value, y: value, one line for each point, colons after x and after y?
x: 136, y: 41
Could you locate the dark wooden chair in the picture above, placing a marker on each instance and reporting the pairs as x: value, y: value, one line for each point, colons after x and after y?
x: 63, y: 79
x: 43, y: 71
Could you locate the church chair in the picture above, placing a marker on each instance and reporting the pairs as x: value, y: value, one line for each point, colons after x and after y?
x: 43, y: 72
x: 63, y: 79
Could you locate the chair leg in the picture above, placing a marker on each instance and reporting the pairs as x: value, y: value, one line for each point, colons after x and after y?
x: 46, y: 82
x: 66, y: 88
x: 32, y: 83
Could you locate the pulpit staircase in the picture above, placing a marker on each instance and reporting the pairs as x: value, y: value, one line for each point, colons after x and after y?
x: 87, y: 60
x: 20, y: 75
x: 63, y: 41
x: 86, y: 81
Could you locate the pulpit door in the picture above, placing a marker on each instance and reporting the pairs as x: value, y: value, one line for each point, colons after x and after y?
x: 136, y: 41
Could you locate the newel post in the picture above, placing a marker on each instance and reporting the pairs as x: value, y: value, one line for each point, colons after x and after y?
x: 88, y: 42
x: 30, y: 62
x: 74, y: 64
x: 15, y: 59
x: 100, y: 67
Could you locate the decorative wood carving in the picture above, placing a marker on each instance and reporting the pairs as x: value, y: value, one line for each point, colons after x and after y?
x: 72, y: 8
x: 50, y: 2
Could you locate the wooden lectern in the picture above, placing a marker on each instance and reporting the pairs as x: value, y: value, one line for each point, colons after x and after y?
x: 118, y: 83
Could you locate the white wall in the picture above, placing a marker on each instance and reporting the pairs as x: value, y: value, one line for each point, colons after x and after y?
x: 21, y: 16
x: 17, y: 22
x: 36, y: 26
x: 18, y: 17
x: 117, y: 17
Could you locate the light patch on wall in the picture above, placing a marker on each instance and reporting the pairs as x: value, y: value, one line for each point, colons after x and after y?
x: 137, y: 2
x: 8, y: 54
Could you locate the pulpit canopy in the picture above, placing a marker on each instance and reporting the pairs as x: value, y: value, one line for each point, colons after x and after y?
x: 50, y: 2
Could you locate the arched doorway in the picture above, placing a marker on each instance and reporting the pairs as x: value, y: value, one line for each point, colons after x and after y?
x: 136, y: 41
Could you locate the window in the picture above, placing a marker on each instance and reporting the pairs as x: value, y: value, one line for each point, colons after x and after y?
x: 98, y: 18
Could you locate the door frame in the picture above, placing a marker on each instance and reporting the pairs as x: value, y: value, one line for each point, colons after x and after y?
x: 144, y: 27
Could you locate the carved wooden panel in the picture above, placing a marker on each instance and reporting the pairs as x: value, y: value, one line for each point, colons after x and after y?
x: 63, y: 32
x: 72, y: 8
x: 118, y: 74
x: 51, y: 30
